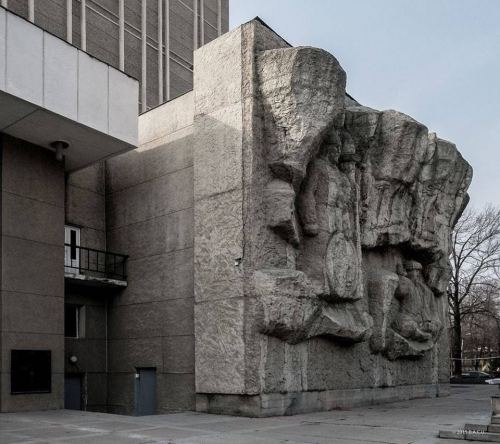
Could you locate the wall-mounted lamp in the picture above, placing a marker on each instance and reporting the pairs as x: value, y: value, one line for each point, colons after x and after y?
x: 59, y: 146
x: 73, y: 359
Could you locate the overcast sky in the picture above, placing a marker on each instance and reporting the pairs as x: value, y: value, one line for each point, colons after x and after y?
x: 436, y: 60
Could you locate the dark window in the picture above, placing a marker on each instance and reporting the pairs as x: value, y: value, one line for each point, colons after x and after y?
x: 71, y: 320
x: 30, y: 371
x: 73, y: 244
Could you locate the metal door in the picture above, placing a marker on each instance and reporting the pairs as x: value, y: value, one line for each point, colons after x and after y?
x: 73, y: 392
x: 145, y: 391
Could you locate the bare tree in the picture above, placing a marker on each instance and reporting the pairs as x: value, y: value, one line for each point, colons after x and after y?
x: 475, y: 261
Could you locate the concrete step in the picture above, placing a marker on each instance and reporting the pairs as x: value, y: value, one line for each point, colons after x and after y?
x: 495, y: 419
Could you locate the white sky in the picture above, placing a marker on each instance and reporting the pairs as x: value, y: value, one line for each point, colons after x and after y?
x: 436, y: 60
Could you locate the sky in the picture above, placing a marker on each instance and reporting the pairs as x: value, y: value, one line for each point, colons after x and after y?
x: 435, y: 60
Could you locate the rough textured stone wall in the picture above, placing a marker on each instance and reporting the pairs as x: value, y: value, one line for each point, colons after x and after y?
x: 322, y: 235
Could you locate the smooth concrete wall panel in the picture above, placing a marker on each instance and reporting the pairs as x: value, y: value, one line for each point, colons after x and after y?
x: 85, y: 208
x: 130, y: 353
x: 151, y: 161
x: 85, y: 205
x: 149, y: 215
x: 178, y: 352
x: 24, y: 62
x: 32, y: 262
x: 91, y: 178
x: 122, y: 113
x: 163, y: 318
x: 60, y: 71
x: 176, y: 392
x: 155, y: 198
x: 30, y: 219
x: 121, y: 392
x: 91, y: 354
x: 167, y: 119
x: 156, y: 236
x: 92, y: 83
x: 90, y: 349
x: 159, y: 277
x: 16, y: 306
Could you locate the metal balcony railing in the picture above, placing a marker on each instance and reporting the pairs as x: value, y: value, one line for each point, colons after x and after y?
x: 94, y: 263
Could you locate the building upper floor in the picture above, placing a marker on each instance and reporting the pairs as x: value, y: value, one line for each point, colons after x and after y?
x: 150, y: 40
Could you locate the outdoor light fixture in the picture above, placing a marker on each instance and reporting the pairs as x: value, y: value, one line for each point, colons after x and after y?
x: 73, y: 359
x: 59, y: 146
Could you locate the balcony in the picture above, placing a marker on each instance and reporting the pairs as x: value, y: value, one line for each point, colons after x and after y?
x: 52, y: 91
x: 88, y: 266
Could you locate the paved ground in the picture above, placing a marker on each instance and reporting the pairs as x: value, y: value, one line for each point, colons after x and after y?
x: 416, y: 421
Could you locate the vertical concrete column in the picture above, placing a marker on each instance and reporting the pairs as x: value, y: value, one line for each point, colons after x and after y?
x: 144, y: 58
x: 160, y: 51
x: 121, y: 34
x: 167, y: 49
x: 31, y: 11
x: 195, y: 24
x: 69, y: 21
x: 32, y: 258
x: 83, y: 25
x: 229, y: 176
x: 219, y: 220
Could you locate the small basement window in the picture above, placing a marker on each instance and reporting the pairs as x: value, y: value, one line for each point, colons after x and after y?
x: 74, y: 321
x: 30, y: 371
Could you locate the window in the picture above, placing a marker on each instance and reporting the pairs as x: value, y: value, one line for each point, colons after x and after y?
x: 71, y: 249
x: 74, y: 321
x: 30, y: 371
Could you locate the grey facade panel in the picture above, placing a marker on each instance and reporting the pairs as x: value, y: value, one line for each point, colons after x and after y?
x: 32, y: 282
x: 102, y: 32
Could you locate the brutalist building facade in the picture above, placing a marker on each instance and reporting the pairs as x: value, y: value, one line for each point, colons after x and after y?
x: 262, y: 244
x: 74, y: 75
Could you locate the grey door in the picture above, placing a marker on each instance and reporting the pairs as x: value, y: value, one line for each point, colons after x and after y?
x: 73, y: 392
x: 145, y: 391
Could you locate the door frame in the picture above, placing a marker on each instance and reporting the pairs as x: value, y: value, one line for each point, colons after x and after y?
x: 71, y: 253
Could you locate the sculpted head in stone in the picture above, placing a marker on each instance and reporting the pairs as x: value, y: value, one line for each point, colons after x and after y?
x: 361, y: 204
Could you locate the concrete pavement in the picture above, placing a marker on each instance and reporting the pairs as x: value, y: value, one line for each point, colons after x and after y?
x: 416, y: 421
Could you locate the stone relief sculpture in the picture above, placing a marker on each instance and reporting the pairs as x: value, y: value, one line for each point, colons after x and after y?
x: 363, y: 201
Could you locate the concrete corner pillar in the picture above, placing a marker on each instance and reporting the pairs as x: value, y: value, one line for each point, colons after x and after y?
x: 219, y: 223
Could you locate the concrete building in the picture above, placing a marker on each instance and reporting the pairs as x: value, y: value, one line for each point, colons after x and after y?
x: 135, y: 36
x: 58, y: 313
x: 237, y: 249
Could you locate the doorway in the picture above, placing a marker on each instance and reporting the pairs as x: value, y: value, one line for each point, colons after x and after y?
x: 73, y: 392
x: 145, y: 392
x: 71, y: 249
